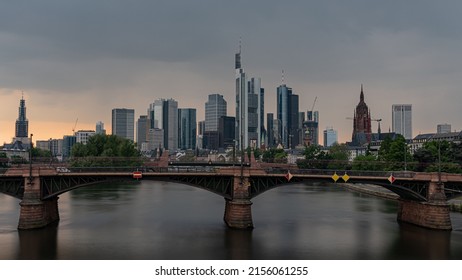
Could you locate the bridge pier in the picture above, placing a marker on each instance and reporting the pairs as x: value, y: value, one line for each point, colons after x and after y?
x: 433, y: 214
x: 238, y: 210
x: 36, y: 213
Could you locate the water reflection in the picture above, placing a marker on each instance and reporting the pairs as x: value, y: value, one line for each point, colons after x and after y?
x: 39, y: 244
x: 159, y: 220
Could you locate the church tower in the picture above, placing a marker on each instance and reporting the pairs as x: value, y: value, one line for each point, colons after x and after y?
x: 362, y: 131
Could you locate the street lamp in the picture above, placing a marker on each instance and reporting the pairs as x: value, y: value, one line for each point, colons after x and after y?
x: 30, y: 159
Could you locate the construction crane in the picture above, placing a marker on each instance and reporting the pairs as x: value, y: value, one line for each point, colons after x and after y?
x: 75, y: 125
x: 314, y: 103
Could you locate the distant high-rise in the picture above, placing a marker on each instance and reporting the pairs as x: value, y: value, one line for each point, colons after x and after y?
x: 226, y: 131
x: 362, y: 130
x: 22, y: 124
x: 142, y: 129
x: 123, y: 123
x: 215, y: 108
x: 163, y: 115
x: 100, y: 128
x: 330, y: 137
x: 271, y: 140
x: 82, y: 136
x: 443, y: 128
x: 68, y: 142
x: 402, y: 120
x: 249, y: 108
x: 288, y: 115
x: 187, y: 129
x: 311, y: 128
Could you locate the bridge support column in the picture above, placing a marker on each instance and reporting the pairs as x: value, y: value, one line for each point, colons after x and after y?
x: 433, y: 214
x: 238, y: 210
x: 36, y: 213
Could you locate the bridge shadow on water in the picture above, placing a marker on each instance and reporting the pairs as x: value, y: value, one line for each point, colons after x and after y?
x: 38, y: 244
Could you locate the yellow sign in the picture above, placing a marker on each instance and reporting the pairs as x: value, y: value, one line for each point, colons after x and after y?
x: 335, y: 177
x: 345, y: 177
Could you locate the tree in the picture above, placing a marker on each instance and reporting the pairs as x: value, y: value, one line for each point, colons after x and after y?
x: 339, y: 156
x: 105, y: 150
x: 274, y: 155
x: 366, y: 162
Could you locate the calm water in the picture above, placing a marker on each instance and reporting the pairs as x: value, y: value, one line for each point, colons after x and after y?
x: 158, y: 220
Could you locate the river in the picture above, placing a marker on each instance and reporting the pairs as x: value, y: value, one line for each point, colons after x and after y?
x: 159, y: 220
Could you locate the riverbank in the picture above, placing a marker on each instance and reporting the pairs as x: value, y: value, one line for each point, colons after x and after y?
x: 455, y: 205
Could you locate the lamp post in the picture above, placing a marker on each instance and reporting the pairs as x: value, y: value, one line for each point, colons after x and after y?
x: 30, y: 159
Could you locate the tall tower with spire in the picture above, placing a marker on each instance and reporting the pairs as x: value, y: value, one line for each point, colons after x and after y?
x: 249, y: 129
x: 22, y: 124
x: 362, y: 130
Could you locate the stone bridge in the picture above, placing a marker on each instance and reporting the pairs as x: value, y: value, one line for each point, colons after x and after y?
x: 423, y: 196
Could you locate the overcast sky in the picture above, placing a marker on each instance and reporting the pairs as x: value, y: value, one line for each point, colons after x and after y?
x: 79, y: 59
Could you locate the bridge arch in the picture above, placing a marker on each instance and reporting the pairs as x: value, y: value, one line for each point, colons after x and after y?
x: 53, y: 186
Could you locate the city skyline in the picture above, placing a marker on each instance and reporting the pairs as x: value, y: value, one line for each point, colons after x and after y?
x: 403, y: 53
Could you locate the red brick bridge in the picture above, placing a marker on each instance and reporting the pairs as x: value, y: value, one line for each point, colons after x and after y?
x: 423, y: 196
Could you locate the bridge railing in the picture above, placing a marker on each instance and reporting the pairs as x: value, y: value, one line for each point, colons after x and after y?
x: 144, y: 169
x: 330, y: 172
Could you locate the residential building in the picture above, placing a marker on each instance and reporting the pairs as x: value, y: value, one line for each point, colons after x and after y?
x: 82, y: 136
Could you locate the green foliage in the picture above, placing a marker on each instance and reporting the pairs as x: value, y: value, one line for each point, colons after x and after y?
x: 39, y: 153
x: 274, y: 155
x: 105, y: 150
x: 394, y: 154
x: 366, y: 162
x: 433, y: 153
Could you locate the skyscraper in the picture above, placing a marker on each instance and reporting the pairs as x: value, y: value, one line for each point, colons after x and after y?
x: 187, y: 129
x: 330, y: 137
x: 123, y: 123
x: 402, y: 120
x: 287, y: 114
x: 163, y: 115
x: 100, y: 128
x: 249, y: 108
x: 271, y: 140
x: 142, y: 129
x: 311, y: 128
x: 215, y: 108
x: 362, y: 130
x: 22, y: 124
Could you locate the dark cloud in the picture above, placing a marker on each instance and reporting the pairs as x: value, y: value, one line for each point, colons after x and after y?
x: 404, y: 50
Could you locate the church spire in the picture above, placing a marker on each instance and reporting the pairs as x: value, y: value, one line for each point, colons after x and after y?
x: 361, y: 97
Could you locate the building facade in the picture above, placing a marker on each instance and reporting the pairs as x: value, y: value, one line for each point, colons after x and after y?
x: 362, y: 129
x: 100, y: 128
x: 142, y: 129
x: 215, y: 107
x: 330, y: 137
x: 82, y: 136
x: 249, y: 127
x: 163, y: 115
x: 22, y: 124
x: 288, y: 115
x: 123, y: 123
x: 402, y: 120
x: 187, y: 129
